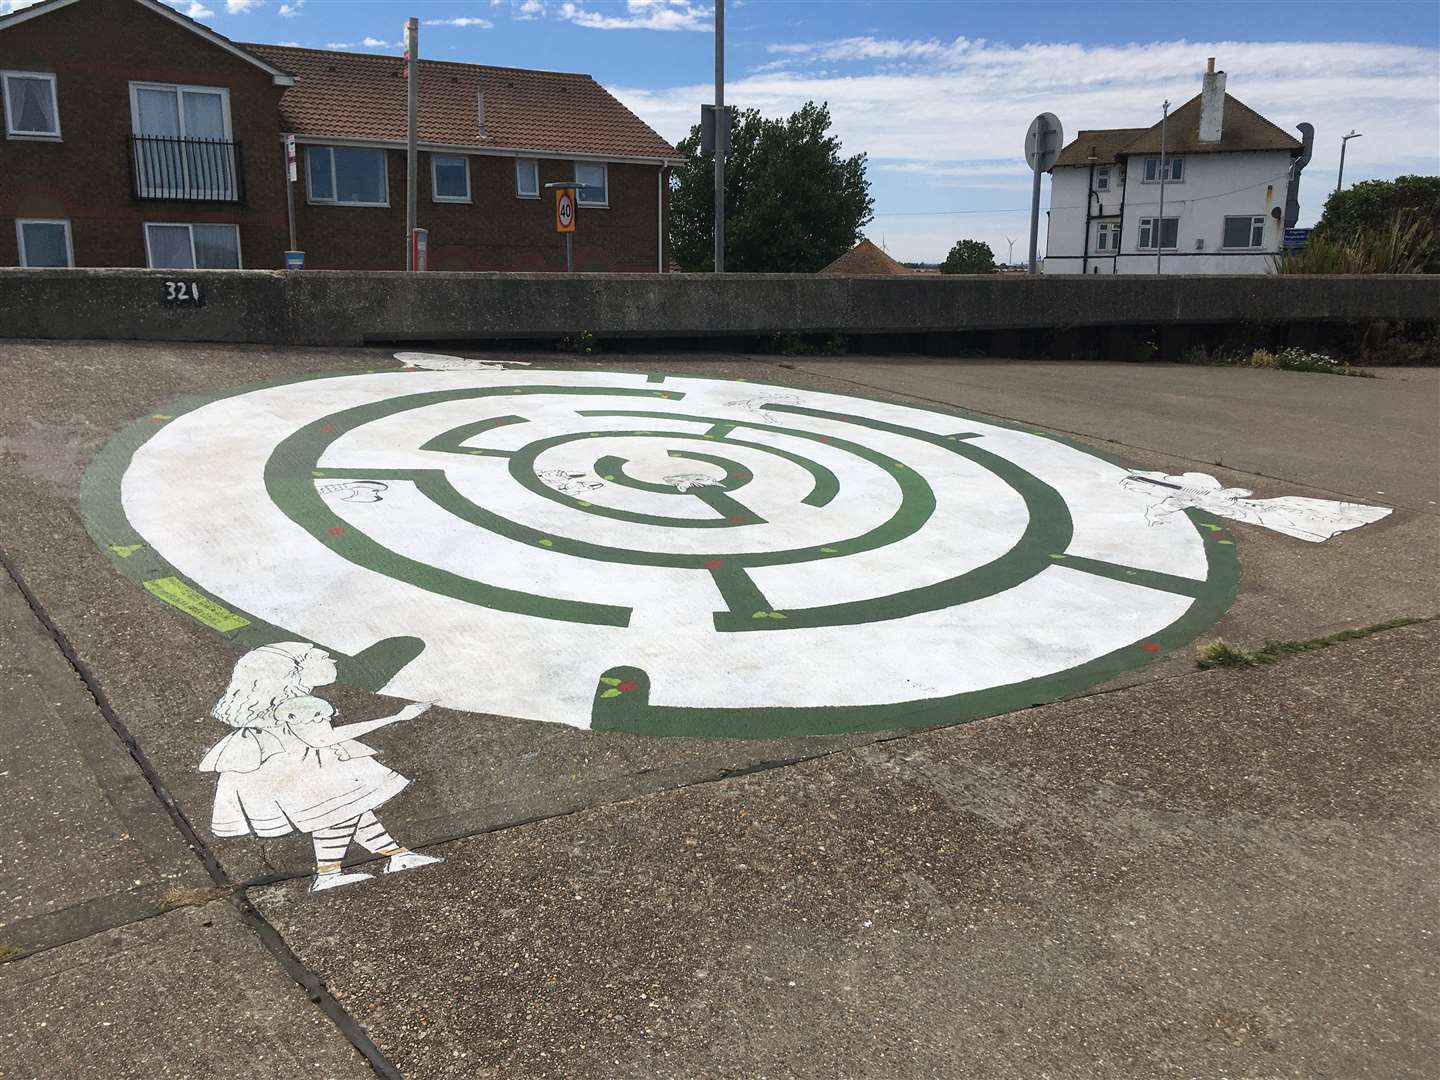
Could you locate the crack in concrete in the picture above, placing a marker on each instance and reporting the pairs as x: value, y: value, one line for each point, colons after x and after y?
x: 268, y: 936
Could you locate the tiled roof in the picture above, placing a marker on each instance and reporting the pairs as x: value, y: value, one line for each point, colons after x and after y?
x: 356, y: 96
x: 1242, y: 129
x: 865, y: 258
x: 1105, y: 143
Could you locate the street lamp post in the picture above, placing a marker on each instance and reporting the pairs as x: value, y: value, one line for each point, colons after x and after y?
x: 1339, y: 178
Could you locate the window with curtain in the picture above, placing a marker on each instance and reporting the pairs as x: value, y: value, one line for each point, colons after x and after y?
x: 347, y: 176
x: 44, y: 243
x: 193, y: 247
x: 31, y: 108
x: 527, y: 178
x: 182, y: 141
x: 1174, y: 170
x: 593, y: 182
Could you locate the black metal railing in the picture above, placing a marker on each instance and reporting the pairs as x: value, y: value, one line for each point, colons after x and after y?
x: 199, y: 170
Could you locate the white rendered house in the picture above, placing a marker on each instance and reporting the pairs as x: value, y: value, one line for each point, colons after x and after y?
x: 1230, y: 179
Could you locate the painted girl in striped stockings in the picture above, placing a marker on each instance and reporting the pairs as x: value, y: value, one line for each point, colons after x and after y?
x: 285, y: 769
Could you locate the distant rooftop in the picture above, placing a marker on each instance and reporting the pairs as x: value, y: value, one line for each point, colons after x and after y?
x: 1243, y: 129
x: 865, y: 258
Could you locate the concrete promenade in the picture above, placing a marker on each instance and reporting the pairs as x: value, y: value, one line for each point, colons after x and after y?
x: 1199, y: 874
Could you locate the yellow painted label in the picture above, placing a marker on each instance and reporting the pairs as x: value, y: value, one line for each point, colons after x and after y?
x: 177, y: 594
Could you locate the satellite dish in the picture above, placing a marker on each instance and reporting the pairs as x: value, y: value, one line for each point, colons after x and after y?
x: 1043, y: 141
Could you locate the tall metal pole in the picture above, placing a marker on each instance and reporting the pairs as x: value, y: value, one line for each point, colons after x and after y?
x: 1340, y: 177
x: 1042, y: 133
x: 1160, y: 220
x: 722, y: 136
x: 412, y: 70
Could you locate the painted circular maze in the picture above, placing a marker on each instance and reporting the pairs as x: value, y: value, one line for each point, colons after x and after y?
x: 654, y: 553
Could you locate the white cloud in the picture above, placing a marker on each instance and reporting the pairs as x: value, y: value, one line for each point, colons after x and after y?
x: 197, y: 10
x: 7, y: 6
x: 240, y: 7
x: 931, y: 114
x: 340, y: 45
x: 289, y: 11
x: 462, y: 21
x: 530, y: 9
x: 644, y: 15
x: 380, y: 43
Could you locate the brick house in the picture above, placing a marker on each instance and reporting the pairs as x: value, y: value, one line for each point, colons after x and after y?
x: 135, y: 136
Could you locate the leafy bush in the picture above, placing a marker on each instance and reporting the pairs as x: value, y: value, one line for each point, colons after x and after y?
x: 969, y: 257
x: 1287, y: 359
x: 1406, y: 244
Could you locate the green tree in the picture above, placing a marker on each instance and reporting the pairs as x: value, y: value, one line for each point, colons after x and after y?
x: 792, y: 202
x: 969, y: 257
x: 1371, y: 206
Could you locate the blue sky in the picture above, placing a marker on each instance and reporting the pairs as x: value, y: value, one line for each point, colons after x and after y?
x: 939, y: 93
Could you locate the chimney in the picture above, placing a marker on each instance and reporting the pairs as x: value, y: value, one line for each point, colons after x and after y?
x: 1212, y: 104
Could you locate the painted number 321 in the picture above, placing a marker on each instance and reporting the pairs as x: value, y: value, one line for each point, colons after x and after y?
x: 183, y: 292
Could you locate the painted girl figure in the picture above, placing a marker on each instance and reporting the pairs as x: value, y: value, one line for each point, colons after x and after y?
x: 285, y: 768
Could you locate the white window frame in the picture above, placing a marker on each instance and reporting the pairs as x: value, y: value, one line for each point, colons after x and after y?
x: 190, y: 227
x: 1102, y: 178
x: 34, y: 136
x: 1149, y: 223
x: 521, y: 193
x: 1172, y: 161
x: 580, y: 199
x: 435, y: 195
x: 309, y: 187
x: 20, y: 224
x: 179, y: 88
x: 187, y: 189
x: 1257, y: 223
x: 1109, y: 229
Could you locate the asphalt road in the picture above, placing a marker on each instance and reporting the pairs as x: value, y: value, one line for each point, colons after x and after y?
x: 1184, y: 873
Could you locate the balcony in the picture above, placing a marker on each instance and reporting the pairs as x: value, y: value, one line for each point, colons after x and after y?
x: 190, y: 170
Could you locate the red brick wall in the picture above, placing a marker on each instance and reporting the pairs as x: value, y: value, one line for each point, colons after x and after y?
x: 495, y: 230
x: 96, y: 48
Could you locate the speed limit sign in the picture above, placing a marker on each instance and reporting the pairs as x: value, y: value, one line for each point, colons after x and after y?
x: 564, y: 210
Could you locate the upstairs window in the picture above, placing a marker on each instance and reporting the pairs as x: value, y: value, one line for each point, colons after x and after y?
x: 1102, y: 178
x: 31, y: 108
x: 1169, y: 234
x: 450, y: 178
x: 346, y: 176
x: 527, y: 178
x: 593, y: 182
x: 1174, y: 170
x: 1244, y: 232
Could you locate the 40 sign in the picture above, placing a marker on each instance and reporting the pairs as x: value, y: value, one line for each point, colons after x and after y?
x: 564, y: 210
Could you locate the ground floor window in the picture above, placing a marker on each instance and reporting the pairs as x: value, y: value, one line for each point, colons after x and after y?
x: 1244, y: 232
x: 1169, y: 233
x: 347, y: 176
x: 1107, y: 237
x: 44, y: 242
x: 192, y: 247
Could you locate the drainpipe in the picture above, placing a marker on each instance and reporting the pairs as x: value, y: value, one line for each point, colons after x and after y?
x: 1160, y: 221
x: 1085, y: 237
x: 660, y: 219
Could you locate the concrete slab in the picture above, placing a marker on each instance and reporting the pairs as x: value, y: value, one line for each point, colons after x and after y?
x: 1230, y: 874
x: 88, y: 845
x: 164, y: 672
x: 188, y: 995
x: 1372, y: 440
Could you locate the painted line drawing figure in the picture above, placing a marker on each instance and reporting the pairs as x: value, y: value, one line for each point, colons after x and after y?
x: 1314, y: 520
x: 440, y: 362
x: 756, y: 409
x: 683, y: 482
x: 360, y: 491
x: 285, y: 769
x: 566, y: 482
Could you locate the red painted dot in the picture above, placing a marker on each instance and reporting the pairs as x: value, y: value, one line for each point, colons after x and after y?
x: 327, y: 429
x: 626, y: 686
x: 336, y: 530
x: 713, y: 564
x: 737, y: 520
x: 1151, y: 646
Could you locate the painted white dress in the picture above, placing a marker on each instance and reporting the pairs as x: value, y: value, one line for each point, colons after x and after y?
x: 273, y: 781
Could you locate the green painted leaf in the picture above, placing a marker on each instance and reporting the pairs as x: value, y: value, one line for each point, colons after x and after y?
x: 776, y: 615
x: 608, y: 681
x: 610, y: 693
x: 758, y: 615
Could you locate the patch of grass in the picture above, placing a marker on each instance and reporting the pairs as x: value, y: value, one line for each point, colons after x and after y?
x: 1287, y: 359
x: 1217, y: 652
x: 9, y: 952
